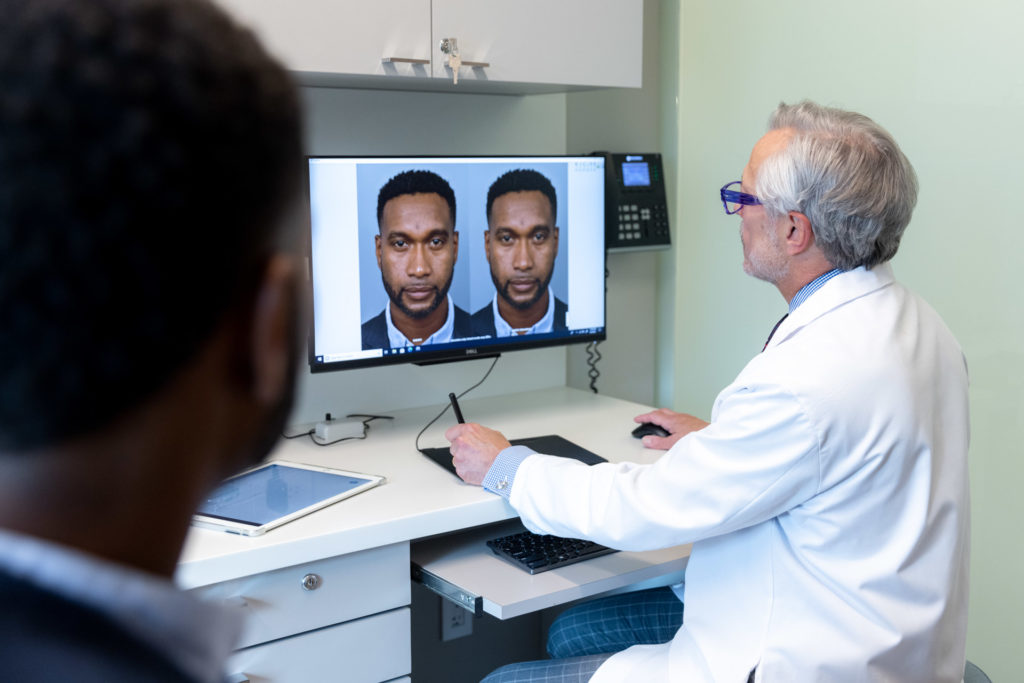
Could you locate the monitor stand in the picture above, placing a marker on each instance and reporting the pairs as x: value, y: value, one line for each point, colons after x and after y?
x: 550, y: 444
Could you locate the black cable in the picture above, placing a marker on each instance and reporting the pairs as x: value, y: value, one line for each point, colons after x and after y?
x: 593, y: 356
x: 312, y: 437
x: 448, y: 405
x: 371, y: 418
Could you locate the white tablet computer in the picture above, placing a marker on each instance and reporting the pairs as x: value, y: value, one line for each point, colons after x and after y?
x: 276, y: 492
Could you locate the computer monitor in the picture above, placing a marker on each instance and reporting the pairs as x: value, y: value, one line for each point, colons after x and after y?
x: 395, y: 279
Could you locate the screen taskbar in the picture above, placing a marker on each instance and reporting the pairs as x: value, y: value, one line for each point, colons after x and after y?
x: 480, y: 343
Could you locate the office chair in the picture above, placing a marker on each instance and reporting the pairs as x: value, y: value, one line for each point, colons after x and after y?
x: 972, y: 674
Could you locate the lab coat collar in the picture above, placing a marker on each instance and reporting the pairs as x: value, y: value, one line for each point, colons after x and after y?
x: 841, y: 289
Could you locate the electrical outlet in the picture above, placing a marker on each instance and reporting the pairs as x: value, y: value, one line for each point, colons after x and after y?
x: 456, y: 621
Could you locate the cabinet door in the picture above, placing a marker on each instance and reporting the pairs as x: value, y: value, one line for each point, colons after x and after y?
x: 569, y: 42
x: 341, y: 36
x: 315, y: 594
x: 368, y: 650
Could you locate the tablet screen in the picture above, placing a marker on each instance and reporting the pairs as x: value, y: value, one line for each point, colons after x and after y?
x: 272, y: 492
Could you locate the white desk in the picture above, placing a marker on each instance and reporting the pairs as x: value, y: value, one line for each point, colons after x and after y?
x: 359, y: 549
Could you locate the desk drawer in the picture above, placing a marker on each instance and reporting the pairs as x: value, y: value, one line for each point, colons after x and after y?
x: 367, y: 650
x: 296, y: 599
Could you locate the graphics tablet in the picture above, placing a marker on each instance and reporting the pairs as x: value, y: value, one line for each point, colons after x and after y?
x: 551, y: 444
x: 267, y: 496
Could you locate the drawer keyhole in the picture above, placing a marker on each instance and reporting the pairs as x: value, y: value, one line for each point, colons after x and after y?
x: 311, y: 582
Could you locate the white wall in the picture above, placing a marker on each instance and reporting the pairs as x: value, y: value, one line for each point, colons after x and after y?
x: 623, y: 120
x: 409, y: 123
x: 343, y: 121
x: 945, y: 78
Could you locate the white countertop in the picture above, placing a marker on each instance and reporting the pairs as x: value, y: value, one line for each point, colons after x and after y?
x: 420, y: 499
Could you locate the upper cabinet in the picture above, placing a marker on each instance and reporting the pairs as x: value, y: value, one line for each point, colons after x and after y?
x: 342, y: 36
x: 518, y: 46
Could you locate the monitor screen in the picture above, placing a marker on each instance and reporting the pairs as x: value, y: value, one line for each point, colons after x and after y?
x: 427, y: 259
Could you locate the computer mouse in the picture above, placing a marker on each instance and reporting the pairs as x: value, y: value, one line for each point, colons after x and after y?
x: 645, y: 428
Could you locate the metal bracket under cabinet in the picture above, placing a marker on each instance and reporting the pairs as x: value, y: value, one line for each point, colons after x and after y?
x: 448, y: 590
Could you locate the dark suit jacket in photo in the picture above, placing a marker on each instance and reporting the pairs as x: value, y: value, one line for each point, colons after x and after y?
x: 46, y: 637
x: 483, y: 320
x: 375, y: 330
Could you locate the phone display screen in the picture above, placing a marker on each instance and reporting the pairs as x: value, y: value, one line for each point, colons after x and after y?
x: 636, y: 174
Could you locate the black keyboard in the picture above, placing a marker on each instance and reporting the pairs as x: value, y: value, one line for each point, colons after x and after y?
x: 536, y: 553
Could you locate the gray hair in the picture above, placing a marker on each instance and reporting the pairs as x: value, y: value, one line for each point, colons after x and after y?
x: 847, y: 175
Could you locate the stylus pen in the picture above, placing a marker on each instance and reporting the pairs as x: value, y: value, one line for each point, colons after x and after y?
x: 455, y: 407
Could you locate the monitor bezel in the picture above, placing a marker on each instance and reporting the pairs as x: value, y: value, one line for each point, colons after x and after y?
x: 456, y: 350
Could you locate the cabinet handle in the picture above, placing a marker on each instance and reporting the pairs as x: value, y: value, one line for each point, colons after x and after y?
x: 450, y: 47
x: 403, y: 60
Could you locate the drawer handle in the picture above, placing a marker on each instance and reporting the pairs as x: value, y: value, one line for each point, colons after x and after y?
x: 311, y: 582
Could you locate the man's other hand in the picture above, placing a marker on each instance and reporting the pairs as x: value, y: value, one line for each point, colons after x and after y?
x: 474, y: 448
x: 678, y: 425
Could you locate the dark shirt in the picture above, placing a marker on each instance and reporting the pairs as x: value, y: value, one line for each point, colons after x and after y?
x: 46, y: 637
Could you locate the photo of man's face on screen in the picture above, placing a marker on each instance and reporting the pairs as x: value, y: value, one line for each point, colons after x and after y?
x: 521, y: 245
x: 416, y: 247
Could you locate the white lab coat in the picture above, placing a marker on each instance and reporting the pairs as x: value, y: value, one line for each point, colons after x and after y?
x: 827, y: 502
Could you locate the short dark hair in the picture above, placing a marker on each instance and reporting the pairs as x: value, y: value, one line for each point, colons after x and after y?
x: 522, y: 180
x: 415, y: 182
x: 148, y: 152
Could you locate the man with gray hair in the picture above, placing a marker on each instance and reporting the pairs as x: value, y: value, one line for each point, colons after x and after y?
x: 827, y: 499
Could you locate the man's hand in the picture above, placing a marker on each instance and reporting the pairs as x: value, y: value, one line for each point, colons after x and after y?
x: 678, y: 425
x: 474, y: 449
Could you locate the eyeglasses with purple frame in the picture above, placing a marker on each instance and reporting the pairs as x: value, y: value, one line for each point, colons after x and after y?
x: 736, y: 199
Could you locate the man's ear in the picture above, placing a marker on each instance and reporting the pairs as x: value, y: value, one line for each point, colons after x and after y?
x: 799, y: 235
x: 272, y: 331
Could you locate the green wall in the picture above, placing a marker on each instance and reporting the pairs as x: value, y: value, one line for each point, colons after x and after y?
x: 947, y: 79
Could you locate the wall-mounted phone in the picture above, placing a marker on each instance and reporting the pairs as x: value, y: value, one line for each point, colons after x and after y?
x: 636, y: 213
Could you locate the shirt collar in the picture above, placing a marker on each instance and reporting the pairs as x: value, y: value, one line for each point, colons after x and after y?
x: 811, y: 287
x: 545, y: 324
x: 197, y: 636
x: 397, y: 340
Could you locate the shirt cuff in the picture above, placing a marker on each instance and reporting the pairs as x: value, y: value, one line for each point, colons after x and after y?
x: 503, y: 470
